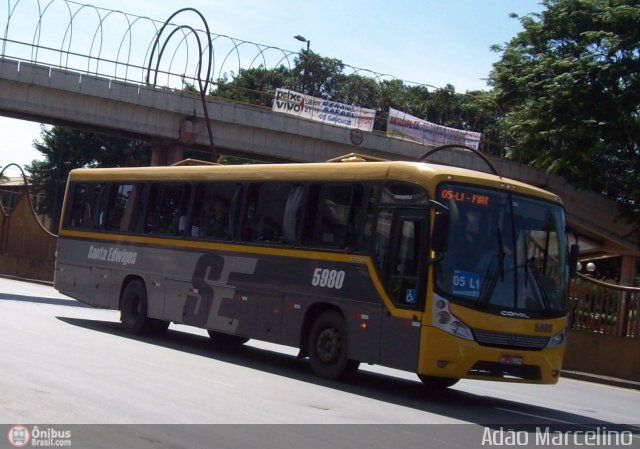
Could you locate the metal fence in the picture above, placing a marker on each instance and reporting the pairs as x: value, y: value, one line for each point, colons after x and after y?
x: 603, y: 308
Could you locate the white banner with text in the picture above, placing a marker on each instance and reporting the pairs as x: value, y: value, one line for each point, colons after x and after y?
x: 325, y: 111
x: 404, y: 126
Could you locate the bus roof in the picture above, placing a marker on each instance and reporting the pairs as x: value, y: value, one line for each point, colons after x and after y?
x: 427, y: 174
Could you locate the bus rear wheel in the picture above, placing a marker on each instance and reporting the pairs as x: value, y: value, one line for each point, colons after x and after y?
x: 133, y: 311
x: 327, y: 347
x: 222, y: 340
x: 437, y: 383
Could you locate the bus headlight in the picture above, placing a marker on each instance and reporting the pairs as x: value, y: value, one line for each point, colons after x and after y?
x: 445, y: 320
x: 558, y: 339
x: 459, y: 329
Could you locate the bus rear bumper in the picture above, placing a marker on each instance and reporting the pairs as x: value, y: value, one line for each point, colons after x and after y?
x: 445, y: 355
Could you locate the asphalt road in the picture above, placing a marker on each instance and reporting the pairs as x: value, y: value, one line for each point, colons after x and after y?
x: 63, y: 363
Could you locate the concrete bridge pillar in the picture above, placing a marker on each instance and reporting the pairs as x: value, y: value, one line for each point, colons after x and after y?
x: 167, y: 154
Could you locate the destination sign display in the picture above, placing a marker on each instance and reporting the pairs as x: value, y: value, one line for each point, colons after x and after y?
x: 465, y: 197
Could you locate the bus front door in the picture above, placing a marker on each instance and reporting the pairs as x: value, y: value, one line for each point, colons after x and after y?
x: 405, y: 284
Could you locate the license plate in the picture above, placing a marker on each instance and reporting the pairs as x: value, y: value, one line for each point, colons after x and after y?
x: 509, y: 359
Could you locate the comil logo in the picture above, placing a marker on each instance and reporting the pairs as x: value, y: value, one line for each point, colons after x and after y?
x: 18, y: 436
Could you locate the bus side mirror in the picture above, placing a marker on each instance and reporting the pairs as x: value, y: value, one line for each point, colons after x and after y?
x: 440, y: 232
x: 574, y: 253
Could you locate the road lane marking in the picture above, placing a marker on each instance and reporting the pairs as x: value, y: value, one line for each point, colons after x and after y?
x: 208, y: 379
x: 539, y: 416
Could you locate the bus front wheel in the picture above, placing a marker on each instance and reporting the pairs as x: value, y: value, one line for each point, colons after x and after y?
x: 327, y: 347
x: 133, y: 311
x: 437, y: 383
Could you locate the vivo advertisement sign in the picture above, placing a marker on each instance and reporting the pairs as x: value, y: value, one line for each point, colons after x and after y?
x: 325, y: 111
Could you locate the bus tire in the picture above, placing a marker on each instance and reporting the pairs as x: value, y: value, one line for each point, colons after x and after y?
x: 437, y: 383
x: 222, y: 340
x: 327, y: 347
x: 133, y: 311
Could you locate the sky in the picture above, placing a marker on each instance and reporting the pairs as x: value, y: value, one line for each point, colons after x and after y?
x: 433, y: 42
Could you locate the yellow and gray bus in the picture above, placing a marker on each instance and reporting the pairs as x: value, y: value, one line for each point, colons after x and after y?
x: 446, y: 272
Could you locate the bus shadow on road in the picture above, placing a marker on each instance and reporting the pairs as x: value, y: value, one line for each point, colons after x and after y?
x: 43, y: 300
x: 452, y: 402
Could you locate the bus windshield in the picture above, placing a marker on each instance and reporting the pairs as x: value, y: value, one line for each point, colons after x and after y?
x: 506, y: 253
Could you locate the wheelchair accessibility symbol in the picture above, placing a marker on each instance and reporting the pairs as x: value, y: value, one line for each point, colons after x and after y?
x: 410, y: 296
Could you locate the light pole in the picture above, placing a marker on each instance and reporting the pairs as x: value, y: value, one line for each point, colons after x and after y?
x: 306, y: 60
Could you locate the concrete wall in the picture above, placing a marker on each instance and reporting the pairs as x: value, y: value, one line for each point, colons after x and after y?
x: 607, y: 355
x: 27, y: 250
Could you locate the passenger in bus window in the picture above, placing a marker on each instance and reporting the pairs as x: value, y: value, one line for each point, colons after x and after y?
x: 194, y: 228
x: 182, y: 222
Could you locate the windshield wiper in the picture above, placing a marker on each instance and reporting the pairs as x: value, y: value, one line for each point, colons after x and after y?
x: 501, y: 255
x: 490, y: 284
x: 534, y: 274
x: 526, y: 262
x: 543, y: 293
x: 495, y: 268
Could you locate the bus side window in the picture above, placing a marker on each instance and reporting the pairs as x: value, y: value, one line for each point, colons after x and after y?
x: 334, y: 215
x: 214, y: 215
x: 118, y: 197
x: 382, y: 237
x: 264, y: 212
x: 370, y: 217
x: 78, y: 206
x: 293, y: 215
x: 167, y: 207
x: 312, y: 205
x: 80, y: 216
x: 85, y: 206
x: 355, y: 225
x: 127, y: 220
x: 337, y: 221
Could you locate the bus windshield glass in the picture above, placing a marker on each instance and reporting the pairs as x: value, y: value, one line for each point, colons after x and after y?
x: 506, y: 252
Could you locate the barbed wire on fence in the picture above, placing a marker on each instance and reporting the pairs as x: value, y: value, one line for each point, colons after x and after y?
x: 137, y: 49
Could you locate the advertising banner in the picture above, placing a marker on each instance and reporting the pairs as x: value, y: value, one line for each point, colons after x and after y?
x: 325, y: 111
x: 404, y: 126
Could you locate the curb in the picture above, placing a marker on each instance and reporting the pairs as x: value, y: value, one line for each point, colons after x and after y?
x: 23, y: 279
x: 605, y: 380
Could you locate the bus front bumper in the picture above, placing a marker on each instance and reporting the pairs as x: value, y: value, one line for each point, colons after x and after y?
x: 445, y: 355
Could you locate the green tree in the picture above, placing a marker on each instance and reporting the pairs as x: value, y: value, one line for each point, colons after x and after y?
x: 570, y: 87
x: 254, y: 86
x: 65, y: 149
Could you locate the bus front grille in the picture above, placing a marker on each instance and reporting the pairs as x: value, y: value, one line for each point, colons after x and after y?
x: 500, y: 340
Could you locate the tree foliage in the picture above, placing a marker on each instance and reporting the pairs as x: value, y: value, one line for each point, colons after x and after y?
x: 65, y: 149
x: 570, y: 86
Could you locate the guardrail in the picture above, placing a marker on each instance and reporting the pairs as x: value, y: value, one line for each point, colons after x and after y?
x: 604, y: 308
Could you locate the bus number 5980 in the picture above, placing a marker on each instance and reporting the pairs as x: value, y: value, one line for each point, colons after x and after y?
x: 323, y: 277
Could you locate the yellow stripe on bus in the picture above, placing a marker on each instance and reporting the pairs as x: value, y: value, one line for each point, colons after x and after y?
x: 258, y: 250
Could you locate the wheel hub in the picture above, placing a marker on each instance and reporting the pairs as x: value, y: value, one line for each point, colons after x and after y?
x: 328, y: 345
